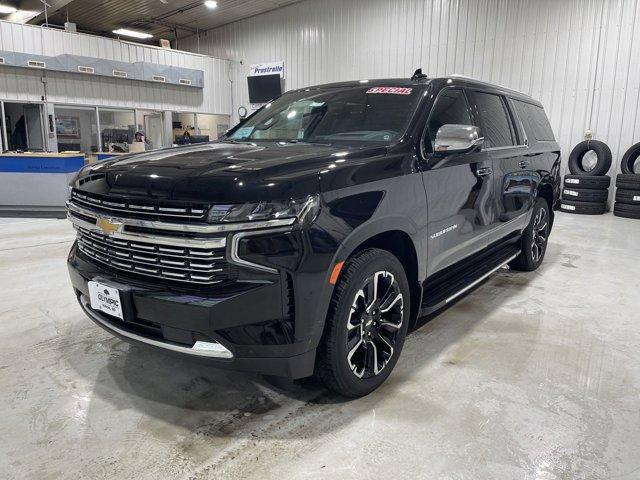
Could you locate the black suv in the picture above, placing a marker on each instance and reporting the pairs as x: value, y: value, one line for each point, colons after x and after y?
x: 313, y: 235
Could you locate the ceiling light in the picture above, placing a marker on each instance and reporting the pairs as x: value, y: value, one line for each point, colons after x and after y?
x: 9, y: 9
x: 132, y: 33
x: 211, y: 4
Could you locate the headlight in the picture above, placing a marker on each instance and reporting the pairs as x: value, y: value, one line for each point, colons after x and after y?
x: 301, y: 209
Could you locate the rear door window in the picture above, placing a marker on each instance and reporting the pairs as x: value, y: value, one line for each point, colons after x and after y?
x: 497, y: 127
x: 535, y: 121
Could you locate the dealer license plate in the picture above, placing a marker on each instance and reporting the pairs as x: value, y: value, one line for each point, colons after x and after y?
x: 106, y: 299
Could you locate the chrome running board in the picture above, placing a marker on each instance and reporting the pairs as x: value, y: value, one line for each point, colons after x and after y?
x: 477, y: 281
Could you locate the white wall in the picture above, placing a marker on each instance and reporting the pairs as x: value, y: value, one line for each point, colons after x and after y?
x: 26, y: 85
x: 581, y: 58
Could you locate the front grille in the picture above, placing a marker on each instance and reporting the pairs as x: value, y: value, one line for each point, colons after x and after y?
x: 204, y: 266
x: 145, y: 209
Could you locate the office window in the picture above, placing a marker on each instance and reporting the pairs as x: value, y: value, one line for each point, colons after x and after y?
x: 77, y: 129
x: 117, y: 129
x: 497, y: 127
x: 451, y: 107
x: 24, y: 127
x: 151, y: 123
x: 211, y: 126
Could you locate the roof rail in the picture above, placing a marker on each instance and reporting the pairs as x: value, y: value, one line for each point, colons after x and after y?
x: 489, y: 84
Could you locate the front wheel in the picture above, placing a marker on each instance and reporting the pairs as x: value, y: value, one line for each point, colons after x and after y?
x: 534, y: 238
x: 367, y: 324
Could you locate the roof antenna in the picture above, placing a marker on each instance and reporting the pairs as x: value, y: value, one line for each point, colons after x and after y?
x: 417, y: 75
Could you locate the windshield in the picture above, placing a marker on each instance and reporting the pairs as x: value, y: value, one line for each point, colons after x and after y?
x: 349, y: 114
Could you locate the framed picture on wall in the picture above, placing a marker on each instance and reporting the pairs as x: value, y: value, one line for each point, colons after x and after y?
x: 67, y: 126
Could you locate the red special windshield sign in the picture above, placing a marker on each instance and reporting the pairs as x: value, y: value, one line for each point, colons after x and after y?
x: 391, y: 90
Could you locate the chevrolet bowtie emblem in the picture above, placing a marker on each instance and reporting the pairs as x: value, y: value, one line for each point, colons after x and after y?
x: 108, y: 226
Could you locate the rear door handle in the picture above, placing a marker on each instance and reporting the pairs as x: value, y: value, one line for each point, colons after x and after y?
x: 485, y: 171
x: 523, y: 164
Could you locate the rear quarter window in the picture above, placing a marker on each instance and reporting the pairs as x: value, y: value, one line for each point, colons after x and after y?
x: 535, y: 121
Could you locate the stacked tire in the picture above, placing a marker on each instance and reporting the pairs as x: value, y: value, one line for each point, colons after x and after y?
x: 586, y: 191
x: 628, y: 186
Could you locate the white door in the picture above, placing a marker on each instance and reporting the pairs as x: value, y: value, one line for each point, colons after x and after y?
x: 153, y: 126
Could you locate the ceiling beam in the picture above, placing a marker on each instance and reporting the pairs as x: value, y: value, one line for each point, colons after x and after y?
x: 36, y: 10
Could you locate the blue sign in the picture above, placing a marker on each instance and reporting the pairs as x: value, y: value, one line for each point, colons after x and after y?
x: 41, y: 164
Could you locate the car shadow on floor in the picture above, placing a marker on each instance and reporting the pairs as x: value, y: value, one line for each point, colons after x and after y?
x: 197, y: 397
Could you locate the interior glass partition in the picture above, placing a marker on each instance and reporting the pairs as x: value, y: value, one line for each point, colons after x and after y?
x: 76, y: 129
x: 117, y: 129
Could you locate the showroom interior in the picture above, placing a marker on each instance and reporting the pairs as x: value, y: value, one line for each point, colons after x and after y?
x: 155, y: 114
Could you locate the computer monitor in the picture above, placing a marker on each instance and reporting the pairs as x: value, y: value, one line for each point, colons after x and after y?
x: 264, y: 88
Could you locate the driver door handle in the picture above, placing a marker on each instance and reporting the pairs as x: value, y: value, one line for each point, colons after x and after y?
x: 485, y: 171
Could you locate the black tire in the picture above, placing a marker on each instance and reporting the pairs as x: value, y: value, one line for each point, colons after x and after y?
x: 626, y: 210
x: 587, y: 181
x: 583, y: 208
x: 629, y: 159
x: 628, y: 181
x: 602, y: 151
x: 630, y: 197
x: 534, y: 238
x: 585, y: 195
x: 335, y: 366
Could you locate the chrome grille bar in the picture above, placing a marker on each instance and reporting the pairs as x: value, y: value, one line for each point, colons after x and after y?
x: 96, y: 201
x: 186, y: 227
x: 153, y: 262
x: 140, y: 238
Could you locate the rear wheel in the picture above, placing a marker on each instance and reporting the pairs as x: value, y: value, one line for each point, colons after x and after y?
x: 367, y: 324
x: 534, y: 238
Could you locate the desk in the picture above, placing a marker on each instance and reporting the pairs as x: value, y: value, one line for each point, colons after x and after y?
x: 37, y: 182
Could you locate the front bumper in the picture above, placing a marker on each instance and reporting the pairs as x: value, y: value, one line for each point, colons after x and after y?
x: 246, y: 318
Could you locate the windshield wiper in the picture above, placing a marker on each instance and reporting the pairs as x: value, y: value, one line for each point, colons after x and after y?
x: 230, y: 140
x: 303, y: 142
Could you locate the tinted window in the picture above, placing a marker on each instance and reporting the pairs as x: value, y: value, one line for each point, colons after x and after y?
x: 350, y: 114
x: 496, y: 122
x: 535, y: 121
x: 450, y: 108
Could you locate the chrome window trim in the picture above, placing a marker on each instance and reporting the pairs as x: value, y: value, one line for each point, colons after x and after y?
x: 505, y: 147
x: 190, y: 228
x: 199, y: 349
x: 157, y: 239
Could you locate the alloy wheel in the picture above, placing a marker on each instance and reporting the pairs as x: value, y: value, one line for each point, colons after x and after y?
x: 540, y: 234
x: 375, y: 319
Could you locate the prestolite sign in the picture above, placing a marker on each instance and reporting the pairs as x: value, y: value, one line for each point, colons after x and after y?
x: 267, y: 68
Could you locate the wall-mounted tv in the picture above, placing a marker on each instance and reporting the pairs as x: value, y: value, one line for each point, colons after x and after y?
x: 264, y: 88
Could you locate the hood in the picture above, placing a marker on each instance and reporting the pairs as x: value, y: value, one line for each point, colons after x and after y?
x: 221, y: 172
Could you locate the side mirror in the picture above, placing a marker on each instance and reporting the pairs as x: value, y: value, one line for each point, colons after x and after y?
x: 453, y: 138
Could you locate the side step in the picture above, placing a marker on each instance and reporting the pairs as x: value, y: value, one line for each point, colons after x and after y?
x: 451, y: 286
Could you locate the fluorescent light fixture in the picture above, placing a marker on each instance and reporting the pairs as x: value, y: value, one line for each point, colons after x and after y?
x: 211, y: 4
x: 132, y: 33
x: 5, y: 9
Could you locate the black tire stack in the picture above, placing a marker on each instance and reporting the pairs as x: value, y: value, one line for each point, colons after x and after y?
x: 628, y: 186
x: 586, y: 192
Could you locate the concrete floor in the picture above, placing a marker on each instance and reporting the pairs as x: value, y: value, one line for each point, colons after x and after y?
x: 531, y: 376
